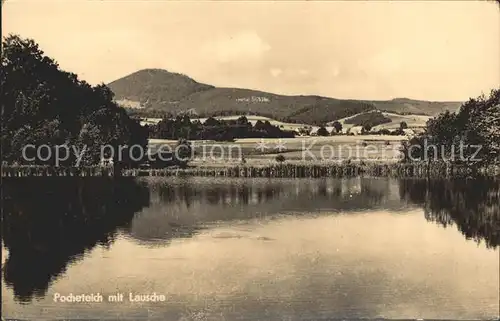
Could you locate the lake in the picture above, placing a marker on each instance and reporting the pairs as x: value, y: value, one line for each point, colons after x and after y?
x: 251, y: 249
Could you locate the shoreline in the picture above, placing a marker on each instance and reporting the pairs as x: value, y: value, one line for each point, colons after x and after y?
x: 284, y: 170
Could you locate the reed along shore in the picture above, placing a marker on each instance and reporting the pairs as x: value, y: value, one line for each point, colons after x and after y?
x: 435, y: 170
x: 48, y: 171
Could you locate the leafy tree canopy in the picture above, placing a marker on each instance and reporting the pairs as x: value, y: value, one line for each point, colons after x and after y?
x: 472, y: 135
x: 42, y: 104
x: 322, y: 131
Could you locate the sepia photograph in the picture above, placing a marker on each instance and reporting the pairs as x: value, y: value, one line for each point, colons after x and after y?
x: 227, y: 160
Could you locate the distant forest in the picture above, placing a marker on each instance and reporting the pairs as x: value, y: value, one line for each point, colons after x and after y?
x: 213, y: 129
x: 155, y: 113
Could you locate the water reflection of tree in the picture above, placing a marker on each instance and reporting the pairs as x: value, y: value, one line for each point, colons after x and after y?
x: 472, y: 205
x: 218, y: 194
x: 185, y: 208
x: 48, y: 223
x: 366, y: 195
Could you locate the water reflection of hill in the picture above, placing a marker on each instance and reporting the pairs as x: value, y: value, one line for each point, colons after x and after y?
x: 181, y: 207
x: 472, y: 205
x: 50, y: 223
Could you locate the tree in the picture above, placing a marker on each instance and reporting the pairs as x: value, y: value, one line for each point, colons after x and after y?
x: 337, y: 126
x: 322, y: 131
x: 42, y: 104
x: 280, y: 158
x: 367, y: 128
x: 305, y: 131
x: 403, y: 125
x: 183, y: 152
x: 211, y: 122
x: 455, y: 137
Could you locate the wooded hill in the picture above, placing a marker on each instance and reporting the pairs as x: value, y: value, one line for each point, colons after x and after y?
x: 158, y: 92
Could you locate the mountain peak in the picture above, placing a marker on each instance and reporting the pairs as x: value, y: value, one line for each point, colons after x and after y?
x: 149, y: 83
x: 402, y: 99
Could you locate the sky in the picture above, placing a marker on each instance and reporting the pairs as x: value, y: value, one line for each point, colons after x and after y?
x: 433, y: 50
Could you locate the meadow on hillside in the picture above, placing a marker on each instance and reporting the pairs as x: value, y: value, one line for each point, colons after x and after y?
x: 329, y: 149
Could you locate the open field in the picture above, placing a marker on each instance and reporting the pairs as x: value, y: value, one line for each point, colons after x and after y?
x: 413, y: 121
x: 372, y: 148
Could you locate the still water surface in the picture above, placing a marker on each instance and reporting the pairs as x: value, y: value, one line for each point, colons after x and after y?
x: 233, y: 249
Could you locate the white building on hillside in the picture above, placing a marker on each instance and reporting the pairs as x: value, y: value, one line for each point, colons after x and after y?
x: 356, y: 130
x: 409, y: 132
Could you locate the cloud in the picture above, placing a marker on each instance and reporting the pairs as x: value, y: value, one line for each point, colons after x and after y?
x: 290, y: 73
x: 335, y: 71
x: 387, y: 62
x: 245, y: 45
x: 275, y: 72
